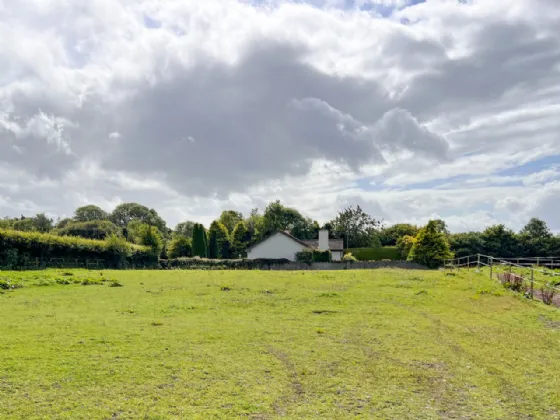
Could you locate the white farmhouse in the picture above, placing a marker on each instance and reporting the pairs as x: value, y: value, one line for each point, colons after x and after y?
x: 283, y: 245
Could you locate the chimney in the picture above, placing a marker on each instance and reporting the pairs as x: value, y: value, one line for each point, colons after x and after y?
x: 323, y: 239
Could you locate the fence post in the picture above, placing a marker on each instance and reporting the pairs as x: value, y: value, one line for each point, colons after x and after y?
x: 490, y: 260
x: 478, y: 261
x: 532, y: 279
x: 468, y: 262
x: 537, y: 261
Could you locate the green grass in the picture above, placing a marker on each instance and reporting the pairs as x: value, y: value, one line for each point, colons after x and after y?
x: 376, y: 254
x: 382, y: 344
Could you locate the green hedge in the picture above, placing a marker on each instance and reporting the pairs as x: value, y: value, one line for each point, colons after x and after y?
x: 24, y: 249
x: 314, y: 256
x: 212, y: 264
x: 375, y: 254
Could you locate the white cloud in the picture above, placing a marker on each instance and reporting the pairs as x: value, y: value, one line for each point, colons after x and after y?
x: 220, y: 103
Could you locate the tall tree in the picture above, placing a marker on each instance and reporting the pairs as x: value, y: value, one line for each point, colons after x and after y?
x: 390, y: 235
x: 184, y: 229
x: 255, y: 225
x: 430, y: 247
x: 150, y: 236
x: 241, y: 238
x: 124, y: 213
x: 223, y: 244
x: 467, y: 243
x: 89, y: 213
x: 230, y: 218
x: 199, y: 245
x: 499, y: 241
x: 43, y: 223
x: 213, y: 250
x: 279, y: 217
x: 535, y: 239
x: 356, y: 227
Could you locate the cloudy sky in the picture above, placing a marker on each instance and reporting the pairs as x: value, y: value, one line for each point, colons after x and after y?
x: 412, y: 109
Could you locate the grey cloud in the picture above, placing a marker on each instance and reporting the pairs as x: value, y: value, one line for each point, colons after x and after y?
x: 264, y: 118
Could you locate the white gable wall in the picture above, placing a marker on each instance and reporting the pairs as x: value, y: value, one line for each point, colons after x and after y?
x: 276, y: 246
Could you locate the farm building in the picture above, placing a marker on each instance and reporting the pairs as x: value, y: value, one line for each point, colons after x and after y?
x: 283, y: 245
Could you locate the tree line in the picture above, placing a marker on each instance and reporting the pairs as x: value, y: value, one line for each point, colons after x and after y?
x: 232, y: 233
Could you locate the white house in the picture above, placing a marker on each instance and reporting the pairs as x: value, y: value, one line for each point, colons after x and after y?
x: 283, y: 245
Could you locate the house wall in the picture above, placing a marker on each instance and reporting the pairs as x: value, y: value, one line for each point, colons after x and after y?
x: 336, y: 255
x: 276, y: 246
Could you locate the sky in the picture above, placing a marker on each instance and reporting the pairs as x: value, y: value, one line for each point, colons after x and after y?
x: 411, y: 109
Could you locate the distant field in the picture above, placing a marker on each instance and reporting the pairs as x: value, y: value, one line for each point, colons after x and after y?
x: 381, y: 344
x: 376, y: 254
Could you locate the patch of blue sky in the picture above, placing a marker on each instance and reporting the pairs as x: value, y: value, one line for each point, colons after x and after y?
x: 151, y: 23
x: 532, y: 167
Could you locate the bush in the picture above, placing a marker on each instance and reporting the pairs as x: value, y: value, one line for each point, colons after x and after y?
x: 430, y: 248
x: 95, y: 229
x: 19, y: 249
x: 349, y: 258
x: 313, y: 255
x: 547, y: 293
x: 375, y: 254
x: 180, y: 247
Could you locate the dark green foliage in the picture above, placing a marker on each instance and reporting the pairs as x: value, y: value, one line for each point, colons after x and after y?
x: 500, y: 241
x: 213, y: 245
x: 125, y: 213
x: 230, y: 218
x: 223, y: 244
x: 375, y: 254
x: 241, y: 238
x: 465, y: 244
x: 305, y: 256
x: 184, y: 229
x: 95, y: 229
x: 356, y: 227
x: 149, y: 236
x: 404, y: 245
x: 322, y: 256
x: 25, y: 225
x: 535, y: 239
x: 180, y: 247
x: 390, y: 235
x: 20, y: 249
x: 89, y: 213
x: 313, y: 255
x: 278, y: 217
x: 199, y: 245
x: 430, y: 248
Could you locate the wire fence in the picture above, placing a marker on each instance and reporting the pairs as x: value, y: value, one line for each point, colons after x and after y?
x: 527, y: 276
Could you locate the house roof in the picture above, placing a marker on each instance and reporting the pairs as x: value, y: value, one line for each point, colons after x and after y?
x: 283, y: 233
x: 334, y: 244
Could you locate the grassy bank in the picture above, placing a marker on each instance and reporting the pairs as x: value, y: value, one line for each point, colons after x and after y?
x: 384, y: 344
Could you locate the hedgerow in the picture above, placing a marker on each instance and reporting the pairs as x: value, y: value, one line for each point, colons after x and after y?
x: 22, y: 249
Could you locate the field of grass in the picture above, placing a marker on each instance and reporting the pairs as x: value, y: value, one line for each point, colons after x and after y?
x: 381, y: 344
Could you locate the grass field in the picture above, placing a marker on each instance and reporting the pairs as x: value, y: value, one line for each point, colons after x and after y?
x: 382, y: 344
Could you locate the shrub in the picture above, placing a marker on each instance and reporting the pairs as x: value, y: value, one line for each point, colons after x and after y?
x: 305, y: 257
x: 180, y: 247
x: 349, y: 258
x: 212, y: 264
x: 547, y: 293
x: 430, y: 248
x: 94, y: 229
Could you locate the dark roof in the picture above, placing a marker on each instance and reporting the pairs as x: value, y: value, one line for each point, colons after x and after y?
x: 283, y: 233
x: 334, y: 244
